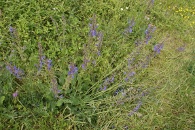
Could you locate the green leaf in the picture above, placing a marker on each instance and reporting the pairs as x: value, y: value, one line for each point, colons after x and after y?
x: 59, y: 102
x: 89, y: 119
x: 75, y: 101
x: 2, y: 99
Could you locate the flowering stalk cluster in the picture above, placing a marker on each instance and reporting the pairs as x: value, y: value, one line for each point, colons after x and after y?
x: 93, y: 47
x: 15, y: 71
x: 48, y: 63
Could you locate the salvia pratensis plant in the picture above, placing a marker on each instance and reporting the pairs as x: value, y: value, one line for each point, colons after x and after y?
x: 92, y: 50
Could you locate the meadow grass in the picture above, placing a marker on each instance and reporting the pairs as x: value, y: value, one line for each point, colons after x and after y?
x: 97, y: 65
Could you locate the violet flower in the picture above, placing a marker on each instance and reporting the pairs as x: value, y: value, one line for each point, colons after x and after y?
x: 129, y: 75
x: 135, y: 109
x: 106, y: 83
x: 15, y: 94
x: 15, y: 71
x: 11, y: 29
x: 49, y: 65
x: 72, y: 70
x: 93, y: 26
x: 41, y: 62
x: 182, y: 48
x: 119, y: 90
x: 130, y: 27
x: 84, y: 65
x: 158, y: 48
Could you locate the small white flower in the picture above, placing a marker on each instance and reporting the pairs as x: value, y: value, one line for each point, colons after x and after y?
x: 121, y: 9
x: 147, y: 18
x: 127, y: 7
x: 54, y: 8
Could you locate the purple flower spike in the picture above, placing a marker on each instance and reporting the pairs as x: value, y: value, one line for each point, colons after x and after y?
x: 182, y: 48
x: 72, y: 70
x: 15, y: 71
x: 148, y: 32
x: 93, y: 26
x: 108, y: 81
x: 83, y: 66
x: 130, y: 28
x: 49, y: 64
x: 158, y: 48
x: 105, y: 87
x: 129, y: 76
x: 11, y: 29
x: 93, y: 33
x: 85, y: 62
x: 132, y: 74
x: 135, y: 109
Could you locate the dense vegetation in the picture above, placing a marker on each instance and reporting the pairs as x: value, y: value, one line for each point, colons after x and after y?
x: 97, y: 64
